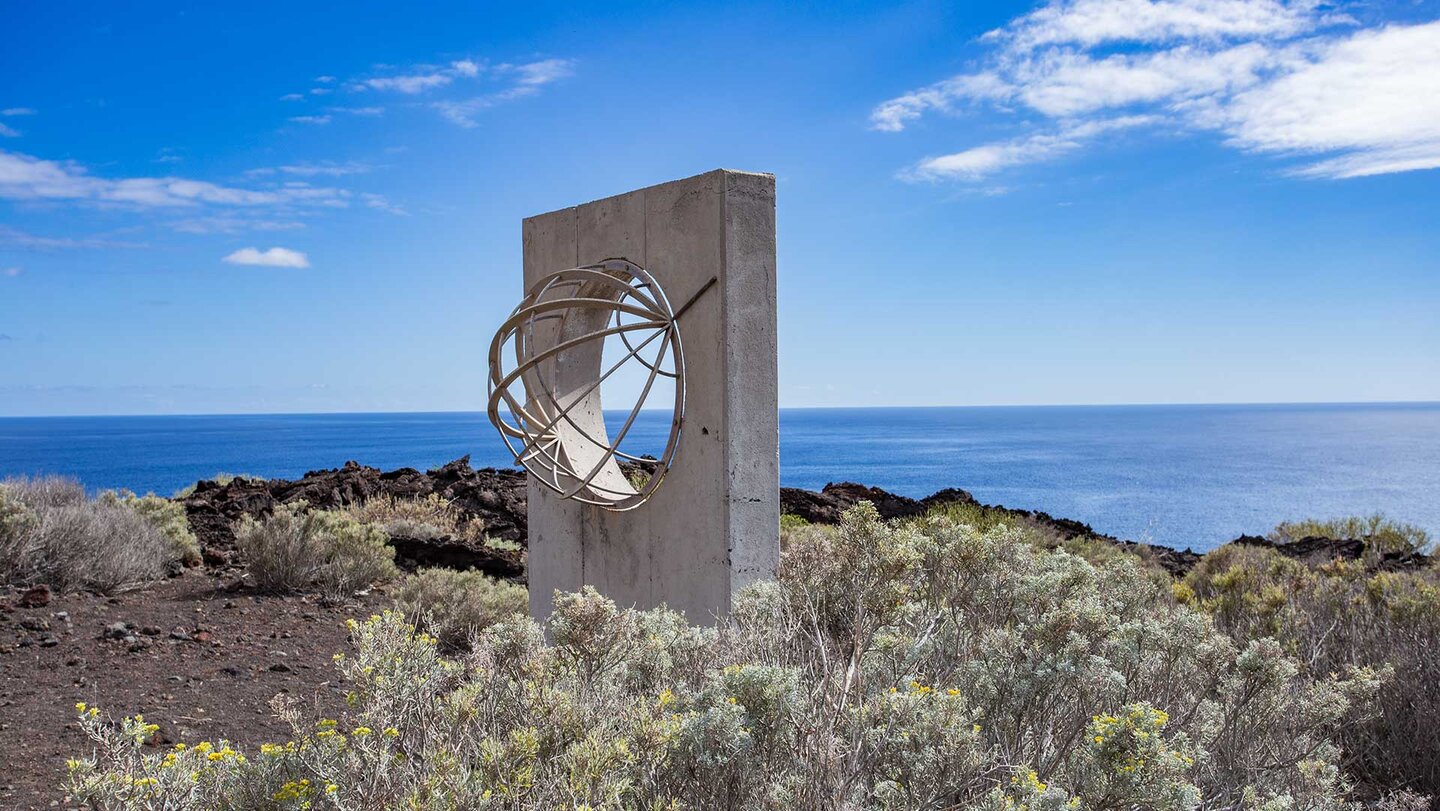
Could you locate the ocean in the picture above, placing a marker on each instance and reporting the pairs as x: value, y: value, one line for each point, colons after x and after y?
x: 1180, y: 476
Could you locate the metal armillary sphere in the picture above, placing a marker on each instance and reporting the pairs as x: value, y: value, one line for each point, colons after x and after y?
x: 547, y: 404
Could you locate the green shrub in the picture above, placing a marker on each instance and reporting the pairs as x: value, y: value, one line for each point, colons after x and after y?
x: 54, y: 534
x: 1384, y: 536
x: 930, y: 665
x: 168, y: 517
x: 789, y: 521
x: 295, y: 549
x: 455, y: 606
x: 221, y: 479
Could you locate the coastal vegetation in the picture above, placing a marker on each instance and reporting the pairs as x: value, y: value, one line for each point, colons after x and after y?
x: 929, y: 662
x: 956, y: 656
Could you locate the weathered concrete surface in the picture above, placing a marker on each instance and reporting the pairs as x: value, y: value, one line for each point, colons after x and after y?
x: 712, y: 527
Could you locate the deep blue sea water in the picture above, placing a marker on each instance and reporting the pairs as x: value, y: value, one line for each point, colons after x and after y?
x: 1177, y: 475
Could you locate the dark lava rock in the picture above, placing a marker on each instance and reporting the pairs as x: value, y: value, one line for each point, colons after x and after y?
x: 1316, y: 550
x: 456, y: 553
x: 495, y: 496
x: 36, y: 597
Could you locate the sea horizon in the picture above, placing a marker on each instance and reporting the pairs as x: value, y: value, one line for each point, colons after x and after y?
x: 666, y: 409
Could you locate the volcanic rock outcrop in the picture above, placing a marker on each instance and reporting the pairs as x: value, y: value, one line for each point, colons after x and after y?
x: 497, y: 497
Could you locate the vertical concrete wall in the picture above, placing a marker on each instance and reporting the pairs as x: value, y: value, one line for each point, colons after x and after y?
x: 712, y: 527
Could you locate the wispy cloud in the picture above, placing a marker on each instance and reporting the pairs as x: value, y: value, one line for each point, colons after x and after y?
x: 33, y: 242
x: 545, y: 71
x: 322, y: 168
x: 8, y: 111
x: 1284, y: 78
x: 362, y: 111
x: 25, y: 177
x: 11, y: 272
x: 232, y: 224
x: 272, y: 258
x: 982, y: 161
x: 509, y: 81
x: 411, y: 85
x: 8, y: 132
x: 380, y: 202
x: 524, y: 80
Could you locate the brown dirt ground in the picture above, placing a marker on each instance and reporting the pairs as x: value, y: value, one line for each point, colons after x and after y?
x: 203, y: 662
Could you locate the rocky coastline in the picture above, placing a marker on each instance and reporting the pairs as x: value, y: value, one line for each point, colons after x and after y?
x: 497, y: 496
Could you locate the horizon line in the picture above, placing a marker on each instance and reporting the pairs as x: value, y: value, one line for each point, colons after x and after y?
x: 1214, y: 404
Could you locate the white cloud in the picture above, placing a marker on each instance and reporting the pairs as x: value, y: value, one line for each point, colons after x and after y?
x: 12, y: 272
x: 293, y: 97
x: 362, y: 111
x: 1089, y: 23
x: 272, y: 258
x: 25, y: 177
x: 325, y: 79
x: 1270, y: 76
x: 18, y: 111
x: 7, y: 132
x: 1374, y: 98
x: 310, y: 119
x: 319, y: 91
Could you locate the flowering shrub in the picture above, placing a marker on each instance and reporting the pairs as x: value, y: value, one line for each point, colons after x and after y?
x: 892, y: 666
x: 295, y: 548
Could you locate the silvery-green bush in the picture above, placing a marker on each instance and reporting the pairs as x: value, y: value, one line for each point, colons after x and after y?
x: 923, y: 666
x: 52, y: 532
x: 296, y: 548
x: 455, y: 606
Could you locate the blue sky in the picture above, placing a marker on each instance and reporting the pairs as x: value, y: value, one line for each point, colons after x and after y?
x: 316, y: 206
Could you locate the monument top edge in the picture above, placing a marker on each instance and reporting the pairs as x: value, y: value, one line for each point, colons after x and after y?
x: 691, y: 179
